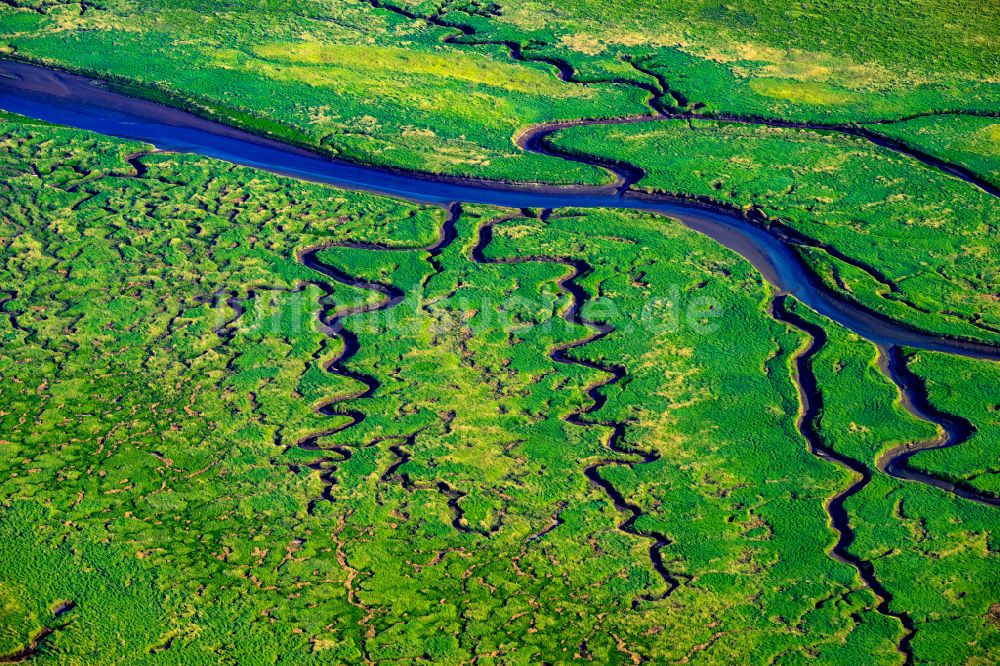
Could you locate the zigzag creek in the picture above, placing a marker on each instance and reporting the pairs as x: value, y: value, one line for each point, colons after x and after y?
x: 578, y: 269
x: 811, y: 406
x: 80, y: 102
x: 332, y: 326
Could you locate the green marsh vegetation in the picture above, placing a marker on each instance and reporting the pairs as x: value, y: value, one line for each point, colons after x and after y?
x: 169, y: 494
x: 966, y: 388
x: 804, y: 60
x: 970, y: 141
x: 909, y: 531
x: 120, y: 383
x: 192, y: 465
x: 366, y: 85
x: 432, y: 86
x: 376, y: 83
x: 901, y: 238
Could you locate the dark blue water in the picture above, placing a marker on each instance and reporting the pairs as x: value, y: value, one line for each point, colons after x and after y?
x: 82, y: 103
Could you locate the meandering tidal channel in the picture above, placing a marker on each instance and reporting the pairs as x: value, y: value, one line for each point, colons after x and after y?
x: 83, y: 103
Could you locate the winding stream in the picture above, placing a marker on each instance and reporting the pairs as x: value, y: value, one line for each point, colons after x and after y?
x: 954, y: 431
x: 811, y: 407
x: 332, y: 326
x: 84, y: 103
x: 76, y: 101
x: 568, y: 283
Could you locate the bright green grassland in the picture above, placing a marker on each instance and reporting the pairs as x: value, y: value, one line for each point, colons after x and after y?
x: 921, y: 243
x: 161, y: 358
x: 818, y: 60
x: 370, y: 84
x: 151, y: 473
x: 970, y: 141
x: 966, y: 388
x: 374, y: 86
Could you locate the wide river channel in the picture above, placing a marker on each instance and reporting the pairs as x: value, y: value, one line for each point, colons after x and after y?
x: 83, y: 103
